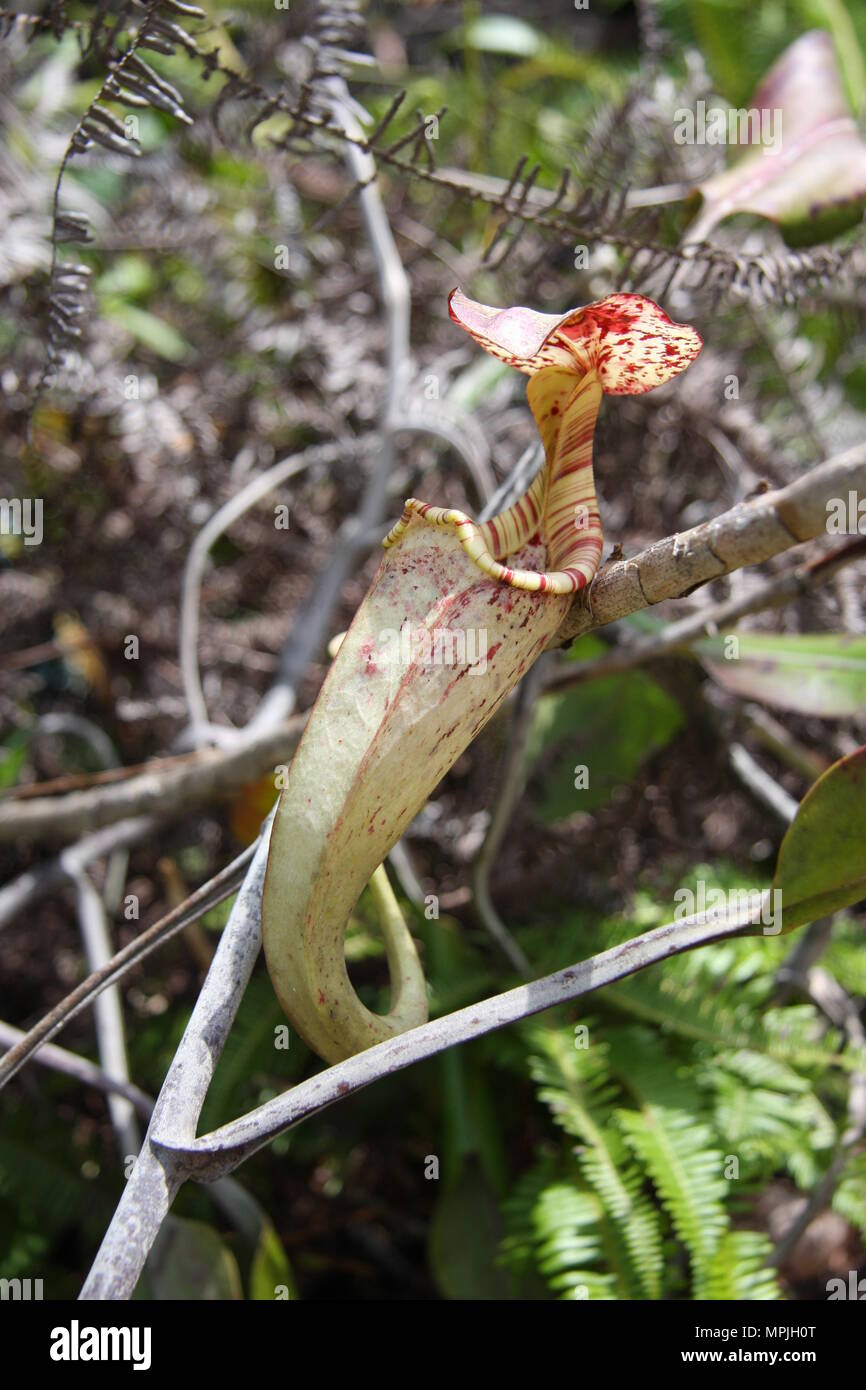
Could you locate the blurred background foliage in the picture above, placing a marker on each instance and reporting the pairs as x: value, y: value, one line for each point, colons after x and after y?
x: 564, y: 1170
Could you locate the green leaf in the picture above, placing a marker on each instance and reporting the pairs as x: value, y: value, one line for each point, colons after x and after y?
x: 270, y: 1267
x: 465, y: 1235
x: 738, y: 1269
x: 503, y: 33
x: 822, y: 673
x: 822, y: 861
x: 13, y: 751
x: 809, y: 175
x: 130, y: 277
x: 264, y: 1262
x: 147, y: 329
x: 612, y: 726
x: 190, y: 1261
x: 576, y: 1085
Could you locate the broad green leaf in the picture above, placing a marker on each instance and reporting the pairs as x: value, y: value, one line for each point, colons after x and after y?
x: 263, y: 1258
x: 822, y: 673
x: 465, y: 1236
x: 807, y: 172
x: 822, y: 861
x: 270, y: 1270
x: 153, y: 332
x: 610, y: 726
x: 189, y: 1261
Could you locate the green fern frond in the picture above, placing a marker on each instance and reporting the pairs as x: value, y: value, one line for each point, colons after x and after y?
x: 738, y: 1269
x: 558, y: 1226
x: 726, y: 1022
x: 767, y: 1116
x: 56, y: 1193
x: 575, y: 1084
x: 713, y: 1070
x: 685, y: 1171
x: 846, y: 961
x: 569, y: 1243
x: 849, y: 1198
x: 675, y: 1147
x: 518, y: 1211
x: 757, y: 1069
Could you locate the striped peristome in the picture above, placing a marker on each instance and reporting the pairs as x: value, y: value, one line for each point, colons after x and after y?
x: 622, y: 345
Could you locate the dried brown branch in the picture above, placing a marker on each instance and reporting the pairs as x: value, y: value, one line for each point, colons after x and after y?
x: 748, y: 534
x: 170, y: 788
x: 712, y: 618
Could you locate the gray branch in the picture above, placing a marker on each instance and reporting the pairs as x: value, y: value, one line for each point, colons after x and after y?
x: 171, y: 1152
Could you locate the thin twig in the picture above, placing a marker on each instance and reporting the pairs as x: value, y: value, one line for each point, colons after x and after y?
x: 508, y: 793
x: 36, y: 883
x: 764, y: 787
x: 80, y: 1069
x: 107, y: 1012
x: 254, y: 491
x: 225, y: 1148
x: 106, y: 753
x: 152, y: 1185
x: 310, y: 630
x: 215, y: 891
x: 92, y: 915
x: 778, y: 740
x: 842, y: 1011
x: 748, y: 534
x: 469, y: 444
x: 497, y: 188
x: 171, y: 788
x: 712, y: 618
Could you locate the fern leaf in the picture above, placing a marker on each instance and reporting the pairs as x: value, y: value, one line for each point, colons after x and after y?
x: 738, y: 1269
x: 849, y: 1199
x: 674, y: 1147
x: 576, y: 1085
